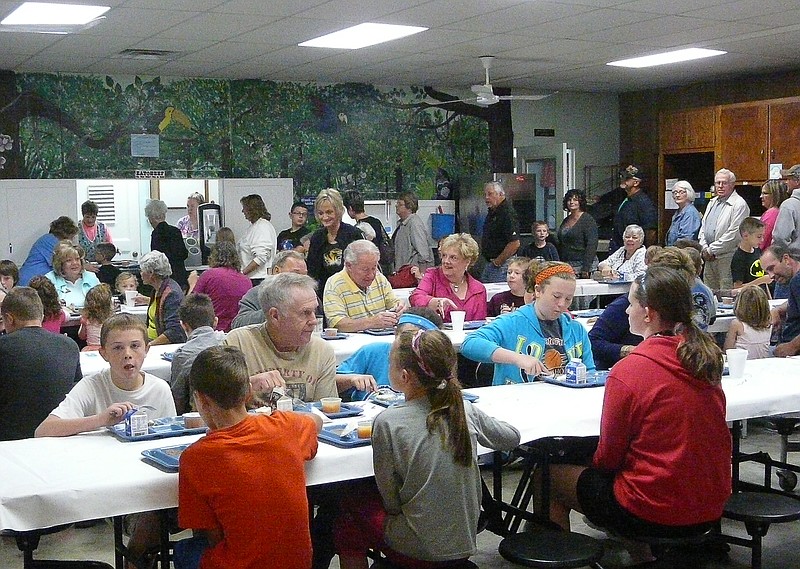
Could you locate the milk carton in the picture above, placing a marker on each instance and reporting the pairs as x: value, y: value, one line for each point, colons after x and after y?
x: 576, y: 371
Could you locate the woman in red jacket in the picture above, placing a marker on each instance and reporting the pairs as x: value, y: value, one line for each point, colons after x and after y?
x: 663, y: 462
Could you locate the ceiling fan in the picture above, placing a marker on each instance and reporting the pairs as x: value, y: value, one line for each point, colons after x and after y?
x: 484, y: 94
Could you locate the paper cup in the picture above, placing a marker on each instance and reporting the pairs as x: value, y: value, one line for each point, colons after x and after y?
x: 736, y: 362
x: 457, y: 319
x: 130, y: 298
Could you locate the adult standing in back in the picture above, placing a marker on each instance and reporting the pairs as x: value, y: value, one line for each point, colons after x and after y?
x: 91, y: 232
x: 719, y: 234
x: 500, y: 239
x: 410, y: 239
x: 326, y: 249
x: 37, y: 368
x: 354, y: 204
x: 577, y: 235
x: 637, y: 209
x: 686, y: 220
x: 40, y: 257
x: 786, y: 232
x: 259, y: 243
x: 167, y: 239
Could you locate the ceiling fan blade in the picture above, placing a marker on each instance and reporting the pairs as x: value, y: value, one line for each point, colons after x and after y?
x: 442, y: 103
x: 525, y: 97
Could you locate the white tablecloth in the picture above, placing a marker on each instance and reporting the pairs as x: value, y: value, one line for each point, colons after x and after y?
x: 60, y: 480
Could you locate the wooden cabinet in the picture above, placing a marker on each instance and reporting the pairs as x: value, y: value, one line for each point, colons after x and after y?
x: 743, y: 140
x: 784, y: 133
x: 687, y: 130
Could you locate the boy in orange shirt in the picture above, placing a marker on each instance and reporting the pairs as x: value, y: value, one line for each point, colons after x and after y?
x: 242, y: 488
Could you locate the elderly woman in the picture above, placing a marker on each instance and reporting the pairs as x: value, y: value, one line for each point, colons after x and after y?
x: 627, y: 262
x: 773, y: 194
x: 449, y: 286
x: 163, y: 325
x: 327, y: 245
x: 188, y: 224
x: 223, y: 282
x: 167, y: 239
x: 91, y: 232
x: 687, y: 220
x: 258, y: 244
x: 71, y: 280
x: 40, y: 257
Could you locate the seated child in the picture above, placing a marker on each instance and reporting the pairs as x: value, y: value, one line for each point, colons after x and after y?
x: 128, y: 281
x: 107, y: 273
x: 97, y: 310
x: 425, y: 461
x: 245, y: 510
x: 751, y: 328
x: 514, y: 297
x: 54, y: 314
x: 103, y: 400
x: 373, y: 359
x: 196, y: 314
x: 540, y: 246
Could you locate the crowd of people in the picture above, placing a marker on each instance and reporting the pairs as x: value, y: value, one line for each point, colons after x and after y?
x: 246, y: 329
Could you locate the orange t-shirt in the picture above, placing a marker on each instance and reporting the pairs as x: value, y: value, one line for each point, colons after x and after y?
x: 249, y: 481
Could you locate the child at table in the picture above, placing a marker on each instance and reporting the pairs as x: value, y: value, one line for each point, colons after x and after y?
x: 424, y: 512
x: 511, y: 299
x: 751, y: 328
x: 103, y: 254
x: 128, y: 281
x: 242, y: 487
x: 54, y: 314
x: 97, y: 310
x: 103, y: 400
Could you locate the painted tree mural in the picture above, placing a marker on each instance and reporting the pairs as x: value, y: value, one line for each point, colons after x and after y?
x: 342, y: 135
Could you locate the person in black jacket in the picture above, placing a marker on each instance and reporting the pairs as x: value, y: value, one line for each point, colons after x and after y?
x: 167, y: 239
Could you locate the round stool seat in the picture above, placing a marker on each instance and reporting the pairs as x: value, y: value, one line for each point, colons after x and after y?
x: 551, y: 549
x: 762, y: 507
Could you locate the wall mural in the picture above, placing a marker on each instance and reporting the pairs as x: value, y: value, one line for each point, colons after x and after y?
x: 343, y: 135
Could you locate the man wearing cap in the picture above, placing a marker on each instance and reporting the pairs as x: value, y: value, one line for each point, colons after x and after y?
x: 636, y: 209
x: 786, y: 233
x: 500, y: 239
x: 719, y: 234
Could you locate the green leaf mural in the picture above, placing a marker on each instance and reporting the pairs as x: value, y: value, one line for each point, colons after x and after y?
x: 342, y: 135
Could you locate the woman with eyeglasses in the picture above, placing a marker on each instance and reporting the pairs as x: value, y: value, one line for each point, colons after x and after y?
x: 663, y: 461
x: 687, y: 220
x: 773, y: 194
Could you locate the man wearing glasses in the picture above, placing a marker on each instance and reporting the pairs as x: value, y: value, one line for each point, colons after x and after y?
x: 290, y: 238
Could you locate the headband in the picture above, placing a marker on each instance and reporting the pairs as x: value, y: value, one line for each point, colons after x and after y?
x: 416, y: 320
x: 422, y: 365
x: 553, y: 270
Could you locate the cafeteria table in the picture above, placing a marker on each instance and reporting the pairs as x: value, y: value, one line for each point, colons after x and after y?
x: 51, y: 481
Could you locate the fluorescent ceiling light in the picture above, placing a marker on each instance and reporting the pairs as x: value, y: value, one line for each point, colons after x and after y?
x: 46, y: 14
x: 363, y: 35
x: 668, y: 57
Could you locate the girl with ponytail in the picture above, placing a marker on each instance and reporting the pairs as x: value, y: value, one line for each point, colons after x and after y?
x: 424, y: 513
x: 663, y: 462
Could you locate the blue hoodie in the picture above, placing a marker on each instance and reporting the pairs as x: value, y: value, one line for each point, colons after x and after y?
x: 519, y: 331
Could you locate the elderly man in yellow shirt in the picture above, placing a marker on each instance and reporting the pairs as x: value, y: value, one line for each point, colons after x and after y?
x: 359, y: 297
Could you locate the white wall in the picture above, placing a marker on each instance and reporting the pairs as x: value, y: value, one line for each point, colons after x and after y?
x: 587, y: 122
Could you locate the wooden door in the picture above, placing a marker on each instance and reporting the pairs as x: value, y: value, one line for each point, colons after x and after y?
x: 784, y: 133
x: 742, y: 141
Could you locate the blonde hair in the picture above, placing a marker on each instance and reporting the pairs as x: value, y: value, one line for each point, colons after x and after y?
x: 334, y: 197
x: 752, y: 307
x: 63, y: 252
x: 97, y: 308
x: 466, y: 246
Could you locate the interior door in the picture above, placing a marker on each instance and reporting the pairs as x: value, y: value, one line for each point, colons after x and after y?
x: 553, y: 165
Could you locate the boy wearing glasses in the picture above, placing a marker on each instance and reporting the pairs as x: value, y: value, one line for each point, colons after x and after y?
x: 290, y: 238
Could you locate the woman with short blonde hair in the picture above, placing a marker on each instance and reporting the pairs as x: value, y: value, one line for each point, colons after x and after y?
x: 71, y: 280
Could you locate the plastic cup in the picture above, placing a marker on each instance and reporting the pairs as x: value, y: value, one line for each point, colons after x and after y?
x: 457, y: 319
x: 130, y: 298
x: 737, y: 357
x: 330, y: 332
x: 331, y: 404
x: 193, y: 421
x: 364, y: 429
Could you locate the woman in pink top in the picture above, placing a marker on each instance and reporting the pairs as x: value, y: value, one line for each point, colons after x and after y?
x: 773, y: 193
x: 449, y: 286
x: 223, y: 282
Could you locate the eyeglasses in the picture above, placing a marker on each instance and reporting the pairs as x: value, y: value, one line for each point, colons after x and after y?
x: 678, y: 191
x: 300, y: 213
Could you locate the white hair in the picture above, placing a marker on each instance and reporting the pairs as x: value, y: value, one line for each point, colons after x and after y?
x: 358, y: 248
x: 683, y: 184
x: 725, y: 172
x: 496, y: 186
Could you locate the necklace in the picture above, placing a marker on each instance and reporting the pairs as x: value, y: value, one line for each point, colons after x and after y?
x: 456, y: 286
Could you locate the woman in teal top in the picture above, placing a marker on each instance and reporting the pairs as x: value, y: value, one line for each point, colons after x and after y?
x: 538, y: 338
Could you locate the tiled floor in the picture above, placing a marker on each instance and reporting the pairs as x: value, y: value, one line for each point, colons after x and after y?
x: 781, y: 549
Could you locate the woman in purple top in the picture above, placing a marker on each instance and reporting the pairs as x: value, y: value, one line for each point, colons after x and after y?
x: 449, y: 286
x: 223, y: 282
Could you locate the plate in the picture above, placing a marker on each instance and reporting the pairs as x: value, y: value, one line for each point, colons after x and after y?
x: 386, y: 397
x: 330, y: 435
x: 167, y: 458
x: 590, y: 313
x: 593, y: 379
x: 380, y: 331
x: 160, y: 429
x: 339, y: 336
x: 345, y: 411
x: 725, y: 306
x: 468, y: 325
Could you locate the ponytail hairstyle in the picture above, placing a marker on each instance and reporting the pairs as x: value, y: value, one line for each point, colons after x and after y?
x: 429, y: 355
x: 667, y: 292
x: 542, y: 272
